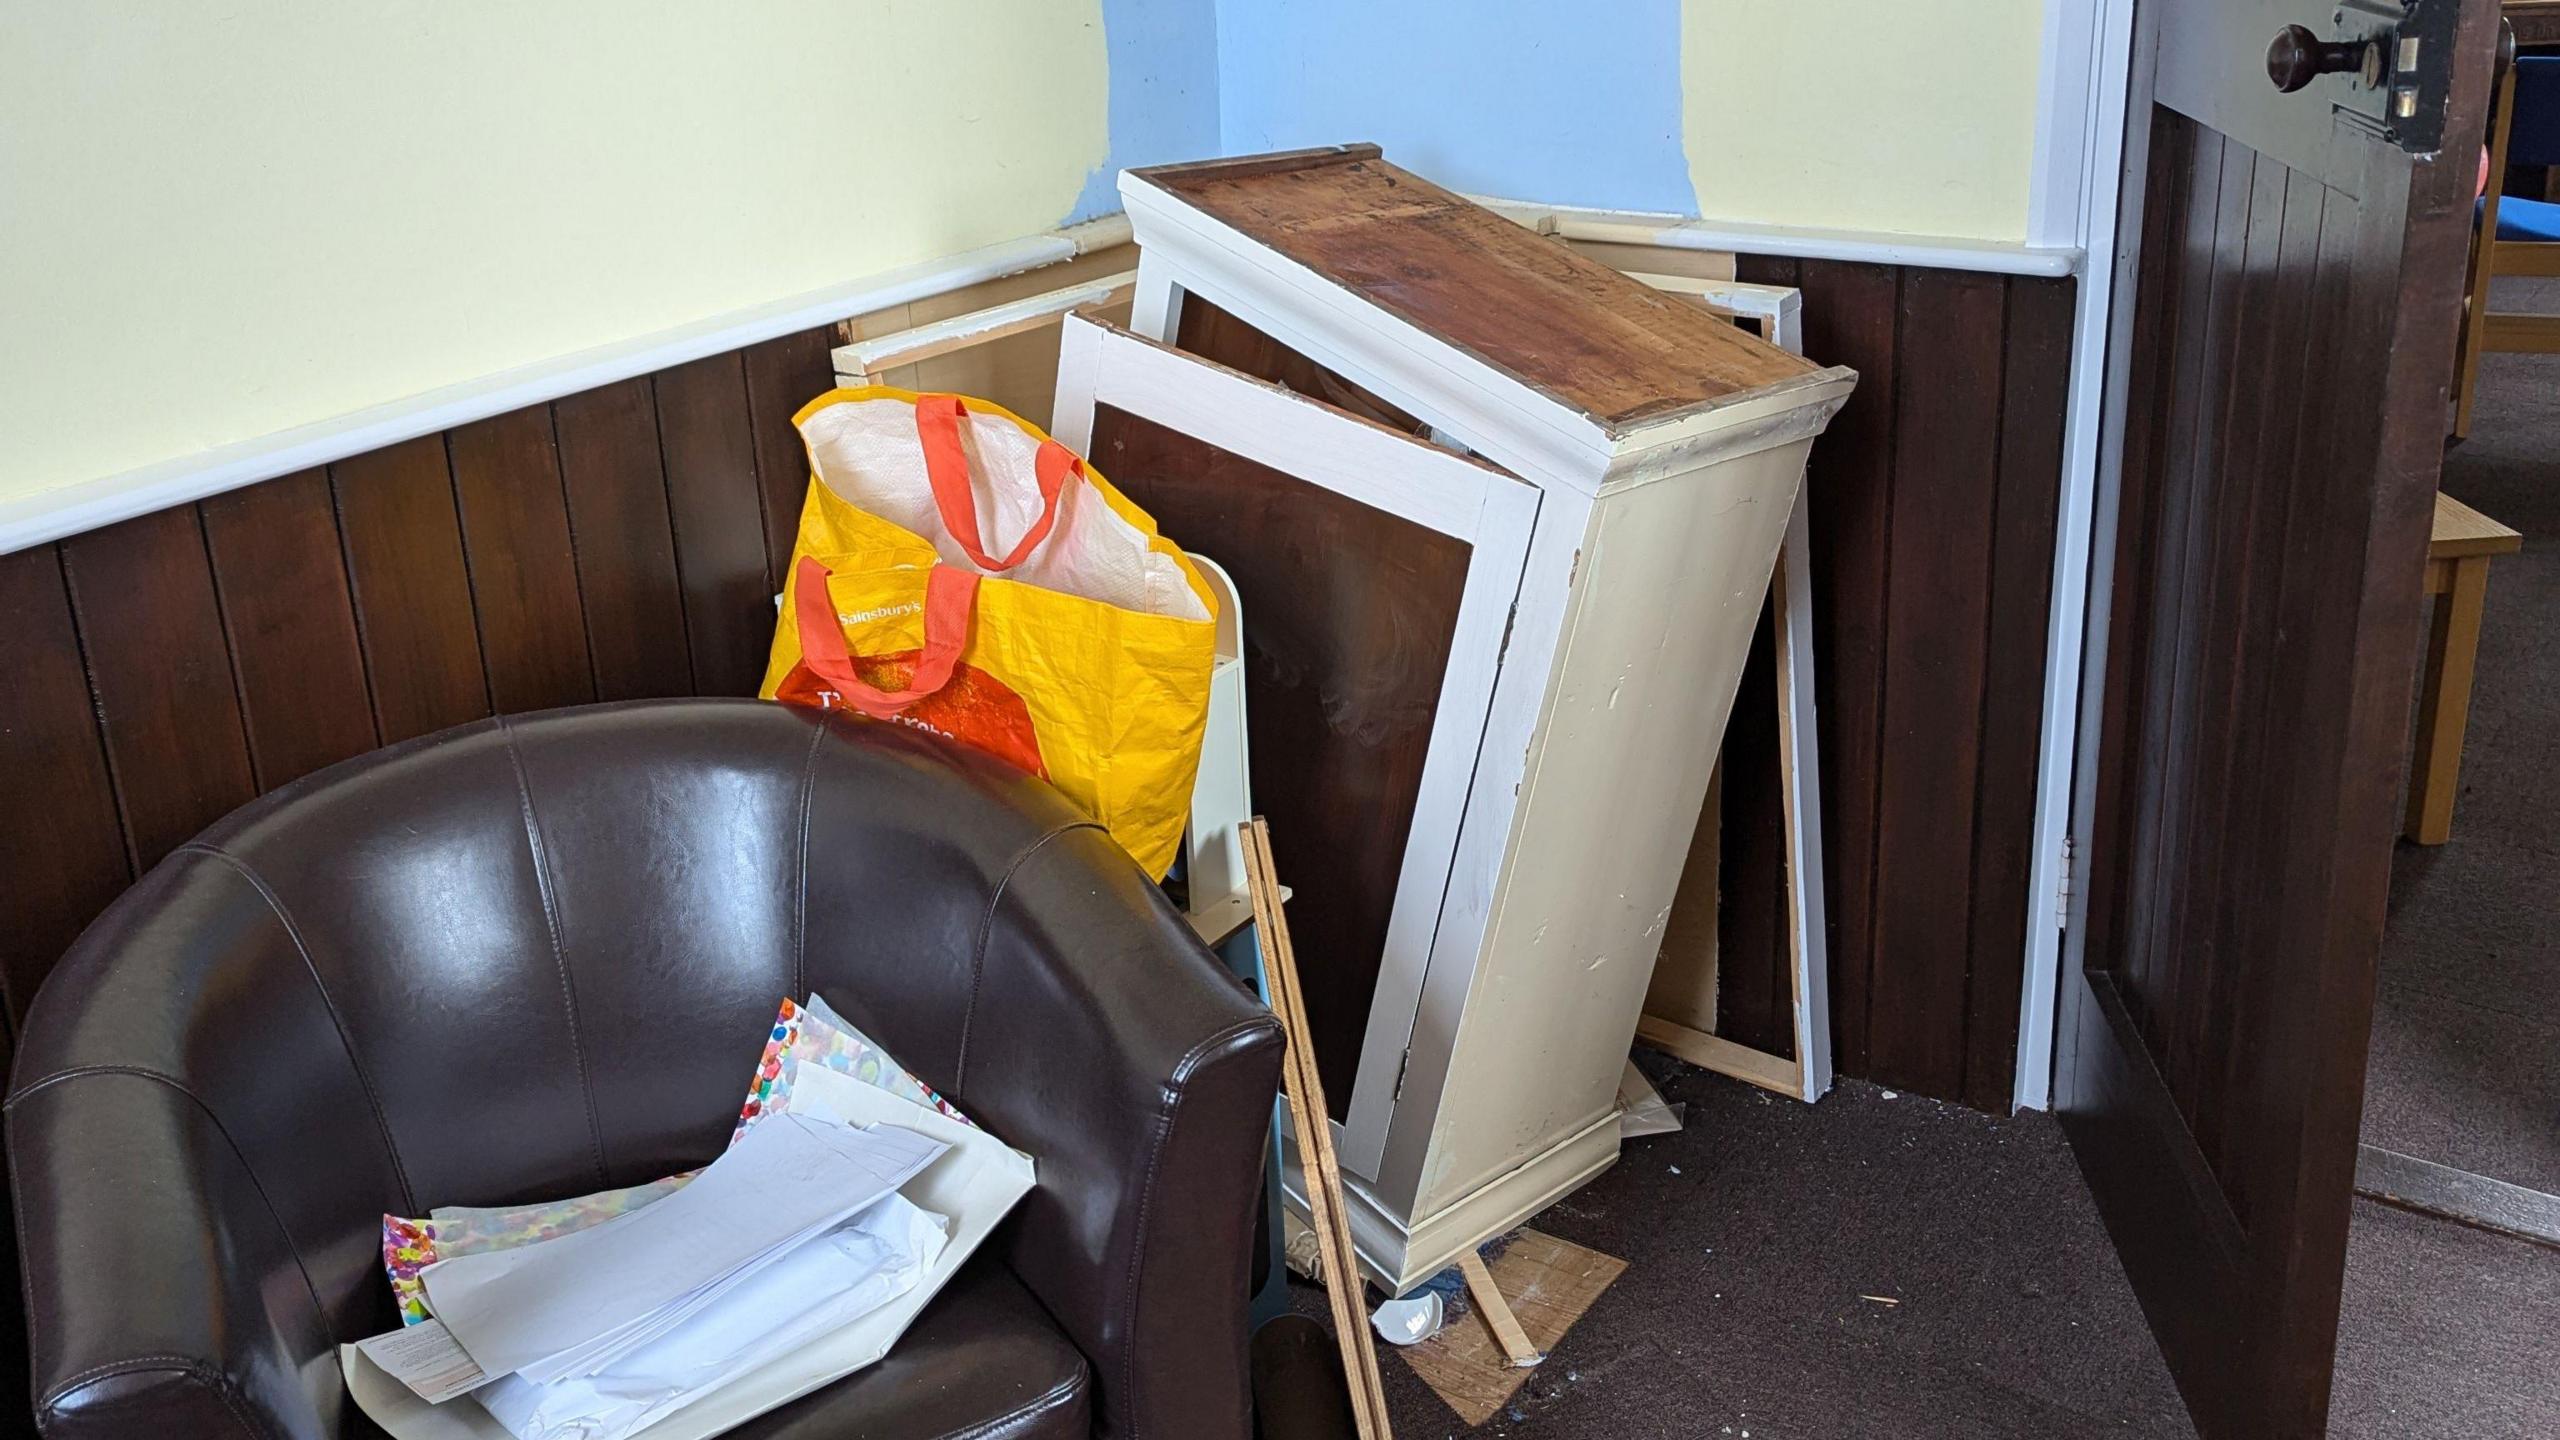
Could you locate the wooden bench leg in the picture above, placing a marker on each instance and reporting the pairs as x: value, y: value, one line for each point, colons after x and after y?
x: 2444, y: 703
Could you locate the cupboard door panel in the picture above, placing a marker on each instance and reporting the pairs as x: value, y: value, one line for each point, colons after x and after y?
x: 1213, y: 334
x: 1376, y: 574
x: 1349, y: 613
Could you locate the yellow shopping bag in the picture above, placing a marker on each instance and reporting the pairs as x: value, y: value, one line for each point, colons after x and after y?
x: 1081, y: 654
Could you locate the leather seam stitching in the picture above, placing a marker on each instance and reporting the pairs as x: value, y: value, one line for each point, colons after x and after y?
x: 1028, y: 1408
x: 346, y: 1042
x: 1177, y: 1089
x: 559, y: 955
x: 211, y: 1377
x: 77, y: 1072
x: 1200, y: 1053
x: 141, y: 1072
x: 1134, y: 1278
x: 800, y: 915
x: 986, y: 931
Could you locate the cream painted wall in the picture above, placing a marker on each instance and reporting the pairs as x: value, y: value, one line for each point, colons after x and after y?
x: 222, y: 220
x: 1911, y: 116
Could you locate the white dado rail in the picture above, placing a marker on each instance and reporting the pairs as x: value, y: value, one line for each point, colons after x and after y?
x: 1676, y: 232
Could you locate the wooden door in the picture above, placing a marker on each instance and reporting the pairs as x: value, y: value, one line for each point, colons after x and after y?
x: 2283, y: 357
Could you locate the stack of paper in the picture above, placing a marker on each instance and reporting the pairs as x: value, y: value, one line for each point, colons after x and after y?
x: 788, y: 1262
x: 794, y: 1218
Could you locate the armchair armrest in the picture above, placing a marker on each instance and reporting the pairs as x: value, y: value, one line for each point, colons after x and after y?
x: 165, y: 1298
x: 1104, y: 1040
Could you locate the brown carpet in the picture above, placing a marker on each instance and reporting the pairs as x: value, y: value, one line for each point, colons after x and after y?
x: 2465, y: 1067
x: 2448, y: 1331
x: 1751, y: 1239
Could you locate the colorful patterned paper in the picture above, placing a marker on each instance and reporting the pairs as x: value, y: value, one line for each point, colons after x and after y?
x: 814, y: 1034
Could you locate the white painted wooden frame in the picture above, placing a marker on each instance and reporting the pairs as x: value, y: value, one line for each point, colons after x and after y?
x: 1777, y: 311
x: 1219, y: 903
x: 1465, y: 499
x: 861, y: 362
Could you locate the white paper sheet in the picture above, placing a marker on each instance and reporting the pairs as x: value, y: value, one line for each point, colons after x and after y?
x: 833, y: 1280
x: 589, y: 1296
x: 426, y: 1358
x: 976, y: 1185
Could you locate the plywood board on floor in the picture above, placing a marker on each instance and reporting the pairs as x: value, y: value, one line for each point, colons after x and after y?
x: 1550, y: 1283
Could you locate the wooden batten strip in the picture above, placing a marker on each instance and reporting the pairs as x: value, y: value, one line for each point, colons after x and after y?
x: 864, y: 361
x: 1497, y: 1313
x: 1314, y: 1129
x: 1776, y: 311
x: 1714, y: 1052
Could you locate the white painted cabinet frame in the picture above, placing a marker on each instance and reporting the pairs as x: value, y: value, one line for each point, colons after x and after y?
x: 1628, y: 631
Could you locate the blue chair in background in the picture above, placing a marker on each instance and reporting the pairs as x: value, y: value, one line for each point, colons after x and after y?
x: 2517, y: 236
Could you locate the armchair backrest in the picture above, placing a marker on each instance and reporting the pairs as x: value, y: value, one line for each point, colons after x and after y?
x: 531, y: 958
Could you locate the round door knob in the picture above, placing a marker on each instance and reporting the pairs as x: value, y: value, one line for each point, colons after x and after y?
x: 2297, y: 57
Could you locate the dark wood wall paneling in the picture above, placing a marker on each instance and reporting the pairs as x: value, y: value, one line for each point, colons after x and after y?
x: 625, y: 542
x: 619, y: 543
x: 1934, y: 500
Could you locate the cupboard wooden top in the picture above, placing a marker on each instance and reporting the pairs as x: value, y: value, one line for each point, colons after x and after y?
x: 1528, y: 305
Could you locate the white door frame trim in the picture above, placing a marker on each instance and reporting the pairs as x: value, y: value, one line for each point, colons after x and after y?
x: 2089, y: 63
x: 2068, y: 85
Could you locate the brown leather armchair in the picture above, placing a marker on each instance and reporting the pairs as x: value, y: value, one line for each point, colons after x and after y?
x: 530, y: 958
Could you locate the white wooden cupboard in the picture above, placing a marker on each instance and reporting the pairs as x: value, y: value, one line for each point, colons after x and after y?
x: 1502, y: 520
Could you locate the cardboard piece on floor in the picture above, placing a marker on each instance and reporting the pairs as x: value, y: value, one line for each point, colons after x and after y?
x: 1550, y: 1283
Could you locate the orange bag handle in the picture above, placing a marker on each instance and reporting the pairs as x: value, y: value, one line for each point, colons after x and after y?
x: 950, y: 594
x: 947, y: 466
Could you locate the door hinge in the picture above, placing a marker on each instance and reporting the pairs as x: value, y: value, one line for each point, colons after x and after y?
x: 1402, y: 1066
x: 2062, y: 893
